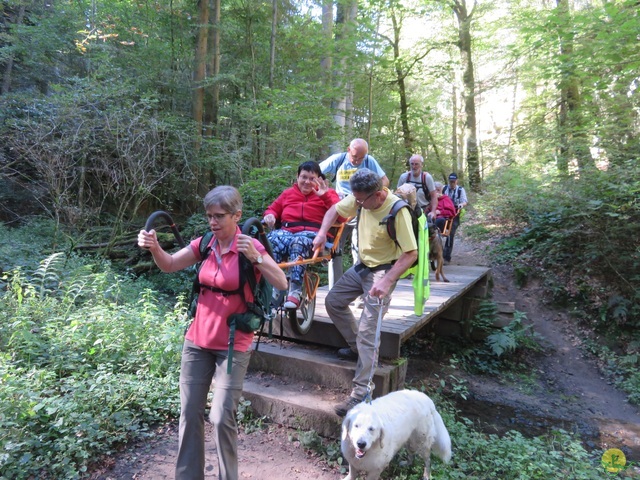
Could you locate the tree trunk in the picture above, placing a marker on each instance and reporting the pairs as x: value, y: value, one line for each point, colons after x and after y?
x: 468, y: 94
x: 572, y: 143
x: 343, y: 107
x: 270, y: 148
x: 326, y: 63
x: 454, y: 128
x: 8, y: 69
x: 213, y: 91
x: 197, y: 103
x: 400, y: 80
x: 199, y: 69
x: 272, y: 46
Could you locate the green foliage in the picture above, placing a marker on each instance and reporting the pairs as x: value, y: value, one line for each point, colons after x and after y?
x: 89, y: 360
x: 491, y: 350
x: 512, y: 456
x: 580, y: 238
x: 621, y: 369
x: 328, y: 450
x: 98, y: 151
x: 264, y: 186
x: 246, y: 418
x: 515, y: 335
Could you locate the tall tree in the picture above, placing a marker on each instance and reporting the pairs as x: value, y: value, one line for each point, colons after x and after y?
x: 464, y: 17
x: 404, y: 64
x: 570, y: 129
x: 213, y: 69
x: 199, y: 75
x: 14, y: 19
x: 326, y: 63
x: 345, y: 38
x: 200, y: 68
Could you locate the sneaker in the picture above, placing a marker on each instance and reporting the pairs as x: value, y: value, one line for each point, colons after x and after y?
x: 347, y: 354
x: 293, y: 300
x: 342, y: 408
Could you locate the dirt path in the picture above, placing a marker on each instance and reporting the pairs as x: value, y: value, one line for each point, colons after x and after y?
x: 566, y: 391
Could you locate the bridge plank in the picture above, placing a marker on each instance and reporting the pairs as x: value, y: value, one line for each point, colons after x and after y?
x: 400, y: 323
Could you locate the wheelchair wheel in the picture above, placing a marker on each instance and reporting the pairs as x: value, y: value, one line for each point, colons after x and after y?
x: 302, y: 317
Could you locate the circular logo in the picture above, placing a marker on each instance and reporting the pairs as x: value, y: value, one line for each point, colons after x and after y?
x: 613, y: 460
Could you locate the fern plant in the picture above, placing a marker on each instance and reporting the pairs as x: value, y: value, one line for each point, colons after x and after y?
x: 483, y: 320
x: 47, y: 275
x: 513, y: 336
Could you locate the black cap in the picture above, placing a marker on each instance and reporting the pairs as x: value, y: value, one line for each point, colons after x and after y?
x: 453, y: 176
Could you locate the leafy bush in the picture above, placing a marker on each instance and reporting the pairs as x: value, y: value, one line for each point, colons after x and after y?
x: 264, y: 186
x: 90, y: 359
x: 515, y: 335
x: 580, y: 234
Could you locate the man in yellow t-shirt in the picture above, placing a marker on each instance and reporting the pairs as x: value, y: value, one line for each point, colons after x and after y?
x: 381, y: 261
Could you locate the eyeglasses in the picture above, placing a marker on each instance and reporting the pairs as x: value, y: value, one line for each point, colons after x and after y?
x: 361, y: 203
x: 304, y: 178
x: 217, y: 216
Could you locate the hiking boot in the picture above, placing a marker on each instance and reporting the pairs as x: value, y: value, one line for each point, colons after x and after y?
x: 293, y: 300
x: 342, y: 408
x: 347, y: 354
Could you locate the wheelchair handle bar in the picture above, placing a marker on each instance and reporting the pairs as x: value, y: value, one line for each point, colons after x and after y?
x: 148, y: 226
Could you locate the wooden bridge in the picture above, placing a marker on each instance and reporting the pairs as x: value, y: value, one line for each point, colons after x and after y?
x: 452, y: 302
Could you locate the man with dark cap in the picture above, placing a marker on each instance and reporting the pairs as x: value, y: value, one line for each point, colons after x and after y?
x: 459, y: 197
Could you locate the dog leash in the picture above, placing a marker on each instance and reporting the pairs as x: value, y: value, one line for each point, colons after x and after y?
x: 376, y: 350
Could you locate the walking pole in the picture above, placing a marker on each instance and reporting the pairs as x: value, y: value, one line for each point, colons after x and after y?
x: 376, y: 350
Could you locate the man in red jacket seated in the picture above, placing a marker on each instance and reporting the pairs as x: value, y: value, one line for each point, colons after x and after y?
x: 445, y: 209
x: 300, y: 210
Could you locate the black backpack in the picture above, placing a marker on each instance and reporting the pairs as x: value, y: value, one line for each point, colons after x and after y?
x: 422, y: 184
x: 390, y: 221
x: 456, y: 200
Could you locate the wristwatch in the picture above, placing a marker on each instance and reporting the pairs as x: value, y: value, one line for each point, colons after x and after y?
x: 258, y: 260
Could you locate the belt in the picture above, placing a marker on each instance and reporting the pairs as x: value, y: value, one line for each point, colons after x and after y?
x: 362, y: 270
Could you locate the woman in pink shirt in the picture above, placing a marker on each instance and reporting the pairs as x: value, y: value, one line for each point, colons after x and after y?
x: 204, y: 353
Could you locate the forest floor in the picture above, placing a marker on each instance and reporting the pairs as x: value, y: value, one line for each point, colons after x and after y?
x: 564, y: 389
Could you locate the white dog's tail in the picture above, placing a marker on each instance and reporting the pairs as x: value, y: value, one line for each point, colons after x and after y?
x: 442, y: 445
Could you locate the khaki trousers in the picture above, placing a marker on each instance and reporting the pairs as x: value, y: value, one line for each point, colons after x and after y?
x: 197, y: 369
x: 359, y: 334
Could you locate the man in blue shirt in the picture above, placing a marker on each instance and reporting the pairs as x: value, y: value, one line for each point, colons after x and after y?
x: 342, y: 166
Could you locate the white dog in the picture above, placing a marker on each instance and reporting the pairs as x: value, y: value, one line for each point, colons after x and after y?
x: 373, y: 433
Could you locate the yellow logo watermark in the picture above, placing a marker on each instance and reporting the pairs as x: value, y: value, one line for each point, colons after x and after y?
x: 613, y: 460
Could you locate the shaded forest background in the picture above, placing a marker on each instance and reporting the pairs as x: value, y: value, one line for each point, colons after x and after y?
x: 112, y: 109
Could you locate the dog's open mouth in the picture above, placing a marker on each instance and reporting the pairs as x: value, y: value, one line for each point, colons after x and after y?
x: 360, y: 453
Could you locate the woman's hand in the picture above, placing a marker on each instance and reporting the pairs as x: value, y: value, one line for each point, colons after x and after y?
x: 247, y: 248
x: 148, y: 240
x: 321, y: 186
x: 270, y: 220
